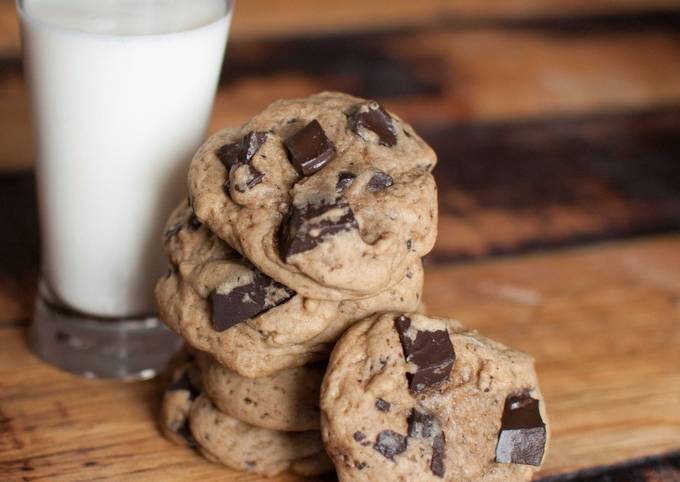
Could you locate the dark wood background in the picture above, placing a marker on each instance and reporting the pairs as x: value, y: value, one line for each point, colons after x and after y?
x: 557, y: 125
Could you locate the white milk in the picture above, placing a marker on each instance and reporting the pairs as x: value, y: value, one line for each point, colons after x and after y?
x: 122, y: 93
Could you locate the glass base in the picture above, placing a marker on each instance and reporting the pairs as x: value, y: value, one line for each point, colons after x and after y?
x: 125, y: 349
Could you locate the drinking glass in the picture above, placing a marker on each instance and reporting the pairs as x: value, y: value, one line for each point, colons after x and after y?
x: 121, y: 94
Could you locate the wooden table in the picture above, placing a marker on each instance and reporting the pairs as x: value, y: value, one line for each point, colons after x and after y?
x: 557, y: 124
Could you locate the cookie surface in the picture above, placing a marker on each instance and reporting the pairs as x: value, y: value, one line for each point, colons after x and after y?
x: 329, y: 195
x: 286, y: 400
x: 292, y: 333
x: 241, y: 446
x: 409, y: 397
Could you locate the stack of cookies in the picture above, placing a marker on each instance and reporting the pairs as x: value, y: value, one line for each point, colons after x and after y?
x: 311, y: 217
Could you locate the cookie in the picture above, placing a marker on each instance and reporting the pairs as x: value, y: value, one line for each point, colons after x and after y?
x: 183, y: 387
x: 289, y: 332
x: 241, y: 446
x: 330, y: 195
x: 287, y: 400
x: 409, y: 397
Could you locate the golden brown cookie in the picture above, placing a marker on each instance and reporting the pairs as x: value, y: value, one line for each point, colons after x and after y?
x: 330, y: 195
x: 286, y: 400
x: 410, y: 397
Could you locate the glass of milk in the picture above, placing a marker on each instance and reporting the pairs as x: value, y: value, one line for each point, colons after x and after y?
x: 121, y: 92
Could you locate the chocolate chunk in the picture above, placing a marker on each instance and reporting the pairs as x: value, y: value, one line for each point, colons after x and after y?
x: 522, y: 436
x: 430, y: 351
x: 360, y: 465
x: 309, y: 149
x: 345, y: 180
x: 372, y: 116
x: 380, y: 181
x: 409, y: 244
x: 194, y: 223
x: 422, y: 425
x: 184, y: 383
x: 438, y: 454
x: 390, y: 443
x: 242, y: 302
x: 184, y: 431
x: 359, y: 436
x: 312, y: 224
x: 382, y: 405
x: 240, y: 154
x: 243, y: 151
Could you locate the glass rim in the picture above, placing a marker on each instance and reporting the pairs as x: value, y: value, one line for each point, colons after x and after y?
x: 229, y: 9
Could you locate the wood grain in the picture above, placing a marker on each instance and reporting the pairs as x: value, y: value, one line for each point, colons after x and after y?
x: 665, y: 468
x: 602, y: 322
x: 274, y: 18
x: 520, y: 186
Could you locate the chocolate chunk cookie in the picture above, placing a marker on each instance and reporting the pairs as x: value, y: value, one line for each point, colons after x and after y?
x: 287, y: 400
x: 331, y: 195
x: 275, y: 328
x: 410, y: 397
x: 241, y: 446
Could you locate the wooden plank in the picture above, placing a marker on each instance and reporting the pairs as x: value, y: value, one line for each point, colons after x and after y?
x: 651, y: 469
x: 446, y: 74
x: 274, y: 18
x: 603, y: 324
x: 509, y: 187
x: 432, y: 76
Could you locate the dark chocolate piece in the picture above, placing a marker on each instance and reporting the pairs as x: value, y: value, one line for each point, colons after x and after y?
x: 240, y: 154
x: 243, y: 151
x: 422, y: 425
x: 380, y: 181
x: 184, y: 383
x: 372, y: 116
x: 194, y: 223
x: 409, y: 244
x: 382, y: 405
x: 430, y: 351
x: 310, y: 149
x: 247, y: 301
x: 438, y: 454
x: 359, y: 436
x: 522, y: 436
x: 311, y: 224
x: 390, y: 443
x: 345, y: 180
